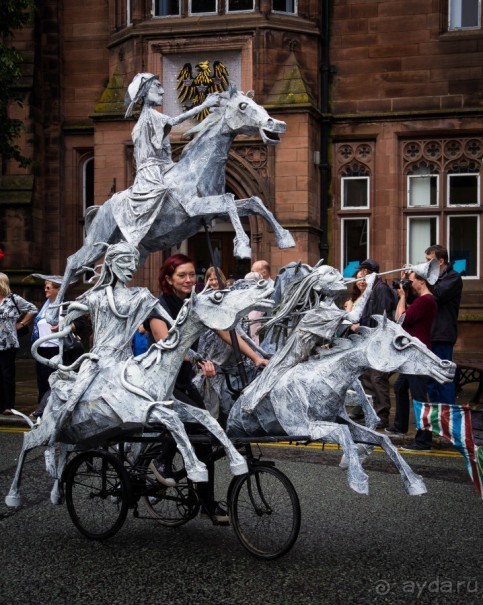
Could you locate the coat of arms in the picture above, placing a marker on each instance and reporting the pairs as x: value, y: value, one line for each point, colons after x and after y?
x: 193, y: 90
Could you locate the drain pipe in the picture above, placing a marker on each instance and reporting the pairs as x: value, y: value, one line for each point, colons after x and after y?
x: 324, y: 167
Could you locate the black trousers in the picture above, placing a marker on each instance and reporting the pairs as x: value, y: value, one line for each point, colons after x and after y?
x: 43, y: 371
x: 205, y: 490
x: 377, y: 384
x: 418, y: 386
x: 7, y: 379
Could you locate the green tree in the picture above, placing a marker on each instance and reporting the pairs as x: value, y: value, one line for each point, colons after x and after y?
x: 14, y: 14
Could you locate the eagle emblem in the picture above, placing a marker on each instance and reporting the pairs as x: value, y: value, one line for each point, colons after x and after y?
x: 193, y: 90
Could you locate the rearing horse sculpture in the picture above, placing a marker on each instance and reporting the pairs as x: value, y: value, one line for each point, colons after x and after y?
x: 193, y: 192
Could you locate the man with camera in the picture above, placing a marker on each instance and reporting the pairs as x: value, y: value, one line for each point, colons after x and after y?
x: 381, y: 300
x: 417, y: 319
x: 447, y: 292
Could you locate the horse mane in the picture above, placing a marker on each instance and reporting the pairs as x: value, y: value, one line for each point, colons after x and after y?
x: 211, y: 119
x: 300, y: 295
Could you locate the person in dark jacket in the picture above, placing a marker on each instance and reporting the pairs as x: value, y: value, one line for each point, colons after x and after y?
x: 447, y: 292
x: 177, y: 277
x: 382, y: 299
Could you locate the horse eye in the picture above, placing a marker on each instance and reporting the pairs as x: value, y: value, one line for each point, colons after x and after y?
x: 401, y: 342
x: 243, y: 106
x: 217, y: 297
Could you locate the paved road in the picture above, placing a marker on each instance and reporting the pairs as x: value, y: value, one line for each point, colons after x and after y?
x: 385, y: 548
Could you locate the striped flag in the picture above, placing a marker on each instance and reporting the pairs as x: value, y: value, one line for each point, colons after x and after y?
x: 453, y: 422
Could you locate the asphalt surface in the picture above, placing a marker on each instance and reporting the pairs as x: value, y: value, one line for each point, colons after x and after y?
x: 383, y: 548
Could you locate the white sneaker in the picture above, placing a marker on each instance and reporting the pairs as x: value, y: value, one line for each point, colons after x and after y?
x: 159, y: 472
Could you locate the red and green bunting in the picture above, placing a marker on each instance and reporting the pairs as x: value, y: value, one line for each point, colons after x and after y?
x: 453, y: 422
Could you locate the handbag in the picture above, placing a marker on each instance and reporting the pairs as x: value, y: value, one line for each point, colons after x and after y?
x: 73, y: 348
x: 71, y: 341
x: 24, y: 330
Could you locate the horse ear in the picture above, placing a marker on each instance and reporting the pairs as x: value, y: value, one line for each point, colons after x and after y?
x: 233, y: 89
x: 320, y: 262
x: 381, y: 320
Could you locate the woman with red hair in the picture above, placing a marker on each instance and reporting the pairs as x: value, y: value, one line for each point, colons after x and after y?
x: 177, y: 278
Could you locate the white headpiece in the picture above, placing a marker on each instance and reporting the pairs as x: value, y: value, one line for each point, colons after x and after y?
x: 136, y: 90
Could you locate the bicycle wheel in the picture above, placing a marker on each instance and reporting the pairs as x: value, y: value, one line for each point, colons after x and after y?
x: 173, y: 506
x: 97, y: 494
x: 265, y: 512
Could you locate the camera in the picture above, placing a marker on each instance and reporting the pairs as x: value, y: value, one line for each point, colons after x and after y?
x: 405, y: 284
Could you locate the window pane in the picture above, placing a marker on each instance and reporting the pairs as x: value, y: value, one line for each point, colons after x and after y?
x: 88, y: 183
x: 463, y: 241
x: 463, y: 189
x: 203, y: 6
x: 355, y: 192
x: 422, y: 234
x: 464, y: 13
x: 423, y: 190
x: 240, y: 5
x: 284, y: 6
x: 165, y: 8
x: 354, y: 244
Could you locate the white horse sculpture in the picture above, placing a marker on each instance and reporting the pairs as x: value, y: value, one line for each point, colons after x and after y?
x: 133, y: 395
x: 192, y: 193
x: 309, y: 398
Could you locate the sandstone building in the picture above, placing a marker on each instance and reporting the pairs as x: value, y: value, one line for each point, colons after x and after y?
x: 383, y: 105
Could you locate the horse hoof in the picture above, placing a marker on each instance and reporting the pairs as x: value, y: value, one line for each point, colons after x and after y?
x: 13, y: 501
x: 417, y: 488
x: 56, y: 499
x: 239, y: 469
x: 286, y: 240
x: 360, y: 485
x: 198, y: 475
x: 242, y: 250
x: 360, y: 488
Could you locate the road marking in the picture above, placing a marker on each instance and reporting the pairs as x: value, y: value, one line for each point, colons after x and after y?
x: 311, y: 446
x: 335, y: 447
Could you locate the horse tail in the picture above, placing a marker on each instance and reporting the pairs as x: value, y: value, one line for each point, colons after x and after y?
x: 26, y: 418
x: 55, y: 361
x: 130, y: 387
x: 89, y: 216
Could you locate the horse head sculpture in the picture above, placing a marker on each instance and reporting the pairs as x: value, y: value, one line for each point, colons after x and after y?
x: 402, y: 352
x: 242, y: 115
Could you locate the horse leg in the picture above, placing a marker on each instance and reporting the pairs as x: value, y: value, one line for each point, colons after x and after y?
x: 189, y: 413
x: 371, y: 419
x: 336, y: 433
x: 102, y: 229
x: 413, y: 483
x: 254, y: 205
x: 57, y: 493
x: 219, y: 205
x: 195, y: 469
x: 39, y: 435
